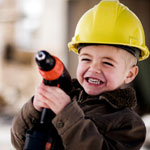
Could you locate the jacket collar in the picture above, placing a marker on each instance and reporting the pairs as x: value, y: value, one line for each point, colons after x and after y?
x: 121, y: 98
x: 118, y: 99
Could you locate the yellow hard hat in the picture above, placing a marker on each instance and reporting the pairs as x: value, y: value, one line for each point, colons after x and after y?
x: 110, y: 22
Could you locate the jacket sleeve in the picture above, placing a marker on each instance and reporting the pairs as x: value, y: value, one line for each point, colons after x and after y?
x: 80, y: 132
x: 23, y: 121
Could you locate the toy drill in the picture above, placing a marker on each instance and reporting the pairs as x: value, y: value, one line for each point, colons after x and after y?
x: 53, y: 71
x: 43, y: 136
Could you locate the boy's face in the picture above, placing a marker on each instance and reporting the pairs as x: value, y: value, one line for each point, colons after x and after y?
x: 104, y: 68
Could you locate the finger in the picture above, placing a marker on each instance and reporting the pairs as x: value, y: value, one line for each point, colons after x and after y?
x: 39, y: 101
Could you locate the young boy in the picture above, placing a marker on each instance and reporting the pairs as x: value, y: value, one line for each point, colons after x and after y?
x: 97, y: 115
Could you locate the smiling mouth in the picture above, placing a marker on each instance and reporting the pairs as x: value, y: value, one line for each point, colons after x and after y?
x: 94, y: 81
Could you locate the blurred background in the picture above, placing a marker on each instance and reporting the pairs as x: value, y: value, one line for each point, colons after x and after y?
x: 27, y: 26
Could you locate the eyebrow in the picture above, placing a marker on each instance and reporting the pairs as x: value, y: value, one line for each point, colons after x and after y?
x: 108, y: 58
x: 85, y: 54
x: 111, y: 59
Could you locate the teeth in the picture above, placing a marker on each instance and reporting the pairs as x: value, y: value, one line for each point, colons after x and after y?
x: 94, y: 81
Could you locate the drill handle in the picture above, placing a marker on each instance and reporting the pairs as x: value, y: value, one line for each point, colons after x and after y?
x: 46, y: 116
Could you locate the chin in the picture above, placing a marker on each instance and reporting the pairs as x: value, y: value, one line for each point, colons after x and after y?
x: 92, y: 93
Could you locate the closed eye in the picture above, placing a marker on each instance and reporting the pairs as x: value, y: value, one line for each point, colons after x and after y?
x: 85, y: 59
x: 108, y: 63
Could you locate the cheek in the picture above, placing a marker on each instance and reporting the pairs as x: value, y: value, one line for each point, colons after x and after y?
x: 114, y: 79
x: 80, y: 72
x: 110, y: 75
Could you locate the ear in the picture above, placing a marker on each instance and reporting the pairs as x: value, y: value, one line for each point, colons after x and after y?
x: 133, y: 71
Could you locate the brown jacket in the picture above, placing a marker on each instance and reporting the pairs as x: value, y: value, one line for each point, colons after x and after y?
x: 104, y: 122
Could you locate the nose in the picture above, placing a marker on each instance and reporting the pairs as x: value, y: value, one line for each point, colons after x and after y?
x: 95, y: 67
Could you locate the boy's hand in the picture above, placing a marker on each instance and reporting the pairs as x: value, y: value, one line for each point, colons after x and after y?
x: 50, y: 97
